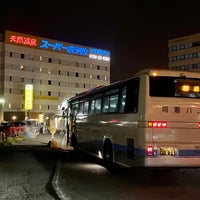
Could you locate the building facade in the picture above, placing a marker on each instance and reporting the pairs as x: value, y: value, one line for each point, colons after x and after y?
x: 38, y: 75
x: 184, y: 53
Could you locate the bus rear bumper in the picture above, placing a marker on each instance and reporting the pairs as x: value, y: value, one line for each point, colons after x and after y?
x: 170, y: 161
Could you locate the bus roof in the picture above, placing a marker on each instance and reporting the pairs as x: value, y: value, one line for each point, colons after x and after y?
x: 148, y: 71
x: 168, y: 72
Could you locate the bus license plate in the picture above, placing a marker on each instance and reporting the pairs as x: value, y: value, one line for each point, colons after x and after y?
x: 167, y: 151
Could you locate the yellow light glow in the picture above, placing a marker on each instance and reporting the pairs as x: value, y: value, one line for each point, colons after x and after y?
x: 155, y: 74
x: 185, y: 88
x: 28, y: 105
x: 196, y: 88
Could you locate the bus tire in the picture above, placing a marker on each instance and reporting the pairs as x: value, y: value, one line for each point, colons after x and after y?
x: 73, y: 140
x: 108, y: 156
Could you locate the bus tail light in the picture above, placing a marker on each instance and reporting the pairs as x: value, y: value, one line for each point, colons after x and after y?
x: 149, y: 150
x: 157, y: 124
x: 199, y: 125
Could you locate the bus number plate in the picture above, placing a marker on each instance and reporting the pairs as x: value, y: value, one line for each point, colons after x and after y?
x: 167, y: 151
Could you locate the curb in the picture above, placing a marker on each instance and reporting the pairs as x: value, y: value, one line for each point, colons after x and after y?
x: 55, y: 182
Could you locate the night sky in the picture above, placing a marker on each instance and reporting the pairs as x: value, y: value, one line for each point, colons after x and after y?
x: 136, y: 32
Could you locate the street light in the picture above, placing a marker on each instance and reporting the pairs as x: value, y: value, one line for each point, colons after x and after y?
x: 14, y: 118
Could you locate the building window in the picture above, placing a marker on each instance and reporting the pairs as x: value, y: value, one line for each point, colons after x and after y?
x: 49, y: 82
x: 98, y: 77
x: 11, y: 54
x: 76, y: 74
x: 22, y: 80
x: 49, y: 93
x: 48, y: 107
x: 59, y: 72
x: 49, y: 71
x: 10, y: 90
x: 22, y: 55
x: 50, y: 60
x: 98, y: 67
x: 40, y: 69
x: 21, y: 67
x: 40, y: 58
x: 10, y: 78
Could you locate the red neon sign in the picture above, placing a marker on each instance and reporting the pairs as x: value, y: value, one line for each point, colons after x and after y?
x: 23, y: 40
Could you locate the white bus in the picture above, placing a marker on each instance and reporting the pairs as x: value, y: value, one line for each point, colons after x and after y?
x: 149, y: 120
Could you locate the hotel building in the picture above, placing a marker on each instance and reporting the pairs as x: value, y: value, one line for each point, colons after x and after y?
x: 184, y: 52
x: 38, y: 75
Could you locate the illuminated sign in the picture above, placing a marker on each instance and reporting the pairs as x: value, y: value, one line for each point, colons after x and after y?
x: 99, y: 54
x: 51, y: 45
x: 23, y: 40
x: 70, y: 49
x: 28, y: 102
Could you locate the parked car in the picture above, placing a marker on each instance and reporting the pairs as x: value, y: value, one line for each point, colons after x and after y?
x: 12, y: 128
x: 31, y: 128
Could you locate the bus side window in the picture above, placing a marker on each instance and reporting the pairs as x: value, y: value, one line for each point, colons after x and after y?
x: 86, y: 107
x: 105, y: 104
x: 113, y: 103
x: 74, y: 110
x: 81, y: 107
x: 123, y: 100
x: 98, y: 105
x: 92, y: 107
x: 132, y: 93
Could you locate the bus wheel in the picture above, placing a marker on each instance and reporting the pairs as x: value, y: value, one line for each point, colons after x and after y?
x: 108, y: 156
x: 73, y: 140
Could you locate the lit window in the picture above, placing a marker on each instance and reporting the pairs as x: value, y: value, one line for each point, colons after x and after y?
x: 40, y: 58
x: 21, y: 67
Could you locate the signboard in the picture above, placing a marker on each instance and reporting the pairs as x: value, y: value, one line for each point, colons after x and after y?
x: 25, y: 40
x: 28, y: 102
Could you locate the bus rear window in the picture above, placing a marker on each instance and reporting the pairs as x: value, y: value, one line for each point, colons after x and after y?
x: 161, y: 86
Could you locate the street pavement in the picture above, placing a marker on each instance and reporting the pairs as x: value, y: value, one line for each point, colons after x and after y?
x: 45, y: 142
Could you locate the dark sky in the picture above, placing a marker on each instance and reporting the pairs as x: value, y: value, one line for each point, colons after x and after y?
x: 136, y: 32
